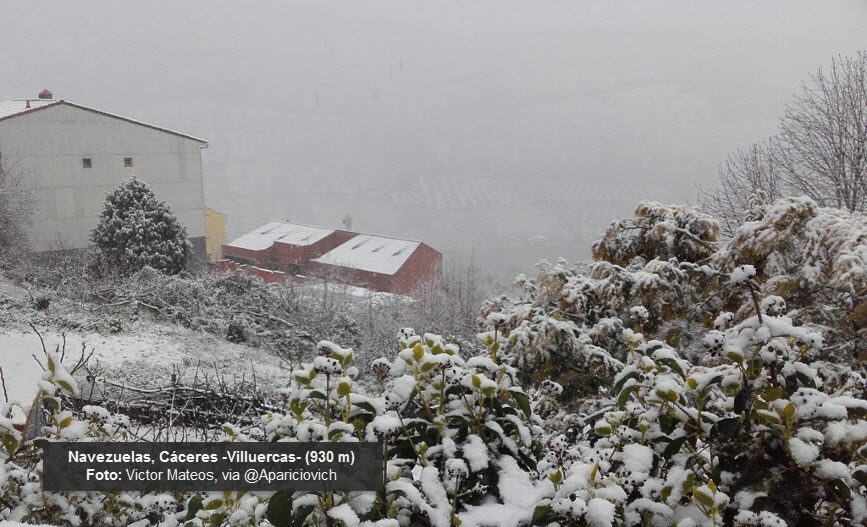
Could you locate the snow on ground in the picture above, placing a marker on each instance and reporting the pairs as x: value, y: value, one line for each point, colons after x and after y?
x: 20, y: 371
x: 350, y: 291
x: 144, y: 359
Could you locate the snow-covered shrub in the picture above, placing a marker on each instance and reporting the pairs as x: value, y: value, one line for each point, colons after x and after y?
x: 17, y: 203
x: 41, y: 303
x: 568, y: 324
x: 769, y: 435
x: 815, y: 259
x: 459, y: 434
x: 659, y: 232
x: 664, y: 275
x: 766, y: 435
x: 135, y: 230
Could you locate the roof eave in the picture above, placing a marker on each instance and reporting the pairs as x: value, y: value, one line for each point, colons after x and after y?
x: 107, y: 114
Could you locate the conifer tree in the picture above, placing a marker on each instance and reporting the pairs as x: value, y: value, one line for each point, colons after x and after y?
x: 136, y: 230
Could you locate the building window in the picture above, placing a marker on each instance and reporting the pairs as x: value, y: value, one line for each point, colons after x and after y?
x: 86, y: 163
x: 127, y: 162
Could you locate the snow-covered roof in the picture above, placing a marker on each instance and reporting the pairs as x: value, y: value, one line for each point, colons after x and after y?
x: 376, y: 254
x: 19, y: 106
x: 10, y: 108
x: 278, y: 231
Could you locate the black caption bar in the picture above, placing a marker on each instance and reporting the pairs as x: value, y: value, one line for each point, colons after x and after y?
x: 149, y: 467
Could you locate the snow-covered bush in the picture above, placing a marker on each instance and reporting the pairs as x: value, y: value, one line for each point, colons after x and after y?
x: 135, y: 230
x: 758, y: 437
x: 816, y: 260
x: 659, y: 232
x: 460, y: 436
x: 664, y: 275
x: 461, y: 439
x: 17, y: 203
x: 766, y: 435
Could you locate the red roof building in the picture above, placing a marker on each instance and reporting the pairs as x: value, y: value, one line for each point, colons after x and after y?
x: 379, y: 263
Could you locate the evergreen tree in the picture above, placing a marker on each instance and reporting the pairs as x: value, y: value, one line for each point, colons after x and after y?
x: 136, y: 230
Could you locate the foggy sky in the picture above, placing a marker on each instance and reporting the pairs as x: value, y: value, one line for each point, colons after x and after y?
x: 486, y: 125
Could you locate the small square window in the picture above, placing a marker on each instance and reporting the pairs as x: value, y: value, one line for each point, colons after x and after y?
x: 86, y: 163
x: 127, y: 162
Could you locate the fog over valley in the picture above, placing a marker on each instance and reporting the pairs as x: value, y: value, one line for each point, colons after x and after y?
x: 504, y: 131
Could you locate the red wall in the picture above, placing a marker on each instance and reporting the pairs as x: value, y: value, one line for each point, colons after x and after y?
x: 286, y: 255
x: 263, y: 258
x: 267, y: 275
x: 423, y: 264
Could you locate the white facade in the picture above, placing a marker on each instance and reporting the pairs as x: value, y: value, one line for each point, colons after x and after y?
x: 51, y: 141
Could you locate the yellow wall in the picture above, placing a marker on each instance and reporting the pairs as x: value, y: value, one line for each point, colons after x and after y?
x: 215, y: 234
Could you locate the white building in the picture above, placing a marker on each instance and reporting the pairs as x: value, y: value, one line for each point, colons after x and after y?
x: 75, y: 155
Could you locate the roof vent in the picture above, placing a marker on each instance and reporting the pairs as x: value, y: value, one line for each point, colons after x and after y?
x: 45, y: 94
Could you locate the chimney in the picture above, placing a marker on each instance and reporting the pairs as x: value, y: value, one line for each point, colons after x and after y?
x: 28, y: 103
x: 45, y: 94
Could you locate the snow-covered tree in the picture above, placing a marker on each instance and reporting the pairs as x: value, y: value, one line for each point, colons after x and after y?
x: 16, y: 207
x: 135, y: 230
x: 662, y: 275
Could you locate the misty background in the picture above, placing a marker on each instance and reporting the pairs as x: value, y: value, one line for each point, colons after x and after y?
x: 499, y: 130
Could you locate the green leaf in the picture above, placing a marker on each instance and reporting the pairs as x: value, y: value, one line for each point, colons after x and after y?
x: 742, y: 399
x: 428, y: 366
x: 690, y: 481
x: 619, y: 384
x: 594, y: 472
x: 53, y: 402
x: 279, y: 511
x: 194, y: 506
x: 66, y: 386
x: 704, y: 499
x: 417, y: 352
x: 840, y: 486
x: 364, y: 405
x: 602, y: 429
x: 805, y: 380
x: 344, y: 389
x: 623, y: 398
x: 666, y: 492
x: 735, y: 357
x: 298, y: 406
x: 315, y: 394
x: 789, y: 411
x: 10, y: 443
x: 523, y: 402
x: 556, y: 477
x: 212, y: 505
x: 673, y: 365
x: 301, y: 514
x: 539, y: 514
x: 477, y: 383
x: 673, y: 447
x: 774, y: 393
x: 217, y: 519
